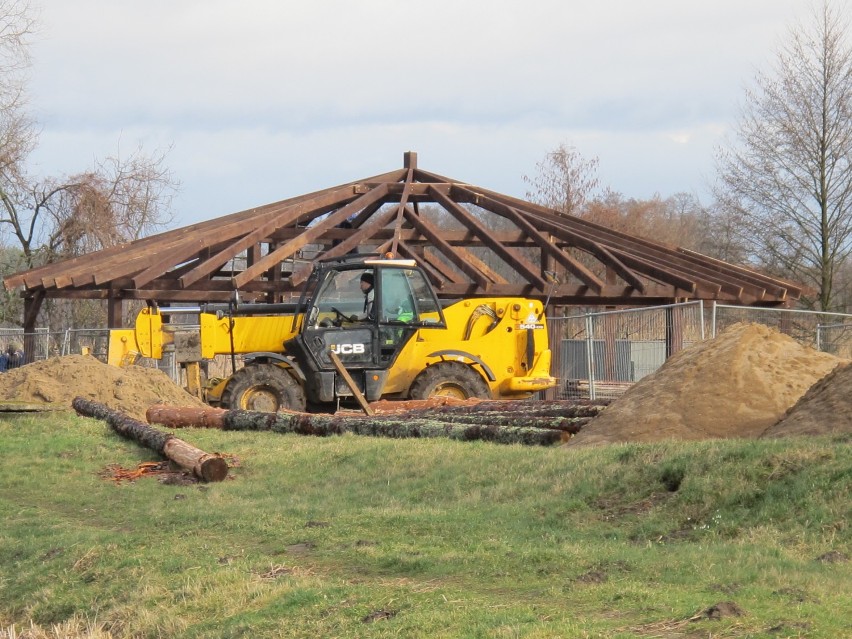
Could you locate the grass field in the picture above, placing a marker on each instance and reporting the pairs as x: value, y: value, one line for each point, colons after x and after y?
x: 365, y: 537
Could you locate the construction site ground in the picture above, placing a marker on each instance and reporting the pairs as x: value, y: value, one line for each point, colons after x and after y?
x: 749, y: 381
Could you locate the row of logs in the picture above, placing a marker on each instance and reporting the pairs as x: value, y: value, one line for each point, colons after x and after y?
x: 505, y: 422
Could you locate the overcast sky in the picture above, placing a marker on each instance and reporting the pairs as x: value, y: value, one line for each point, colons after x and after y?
x: 262, y: 100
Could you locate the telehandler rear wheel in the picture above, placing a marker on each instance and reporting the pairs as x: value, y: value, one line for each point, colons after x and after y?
x: 449, y: 379
x: 263, y: 387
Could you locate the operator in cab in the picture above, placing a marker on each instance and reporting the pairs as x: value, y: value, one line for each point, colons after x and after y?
x: 369, y: 296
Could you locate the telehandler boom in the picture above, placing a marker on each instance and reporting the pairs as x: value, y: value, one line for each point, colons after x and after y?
x: 406, y: 346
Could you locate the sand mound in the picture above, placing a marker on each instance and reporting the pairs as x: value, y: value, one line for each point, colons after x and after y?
x: 59, y: 380
x: 736, y: 385
x: 824, y: 409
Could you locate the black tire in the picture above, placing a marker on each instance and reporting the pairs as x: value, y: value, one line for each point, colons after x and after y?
x: 449, y: 379
x: 263, y: 387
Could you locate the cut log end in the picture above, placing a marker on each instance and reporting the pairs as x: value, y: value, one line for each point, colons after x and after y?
x: 212, y: 469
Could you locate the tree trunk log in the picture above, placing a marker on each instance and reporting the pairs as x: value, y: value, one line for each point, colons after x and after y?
x: 179, y: 417
x: 377, y: 426
x: 445, y: 405
x: 203, y: 465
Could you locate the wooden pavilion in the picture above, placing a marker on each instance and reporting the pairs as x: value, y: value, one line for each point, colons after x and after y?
x: 471, y: 241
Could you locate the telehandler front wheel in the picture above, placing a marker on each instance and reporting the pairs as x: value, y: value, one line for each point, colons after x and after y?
x: 449, y: 379
x: 263, y: 387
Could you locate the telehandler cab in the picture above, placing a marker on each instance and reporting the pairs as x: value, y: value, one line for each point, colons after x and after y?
x: 406, y: 346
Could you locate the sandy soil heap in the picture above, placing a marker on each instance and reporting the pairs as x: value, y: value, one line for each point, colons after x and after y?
x: 59, y: 380
x: 735, y: 385
x: 823, y: 410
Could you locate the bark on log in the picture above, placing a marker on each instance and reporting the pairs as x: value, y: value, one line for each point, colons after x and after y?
x: 571, y: 425
x: 203, y: 465
x: 179, y: 417
x: 175, y: 417
x: 377, y: 426
x: 551, y: 408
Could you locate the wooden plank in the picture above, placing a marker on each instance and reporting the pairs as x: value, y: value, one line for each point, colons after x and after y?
x: 422, y: 225
x: 290, y: 216
x: 438, y: 264
x: 164, y: 262
x: 403, y: 201
x: 571, y: 265
x: 355, y: 239
x: 434, y: 275
x: 310, y: 234
x: 341, y: 369
x: 640, y: 246
x: 511, y: 257
x: 143, y: 246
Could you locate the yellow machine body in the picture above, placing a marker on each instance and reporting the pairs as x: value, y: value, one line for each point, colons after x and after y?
x: 493, y: 347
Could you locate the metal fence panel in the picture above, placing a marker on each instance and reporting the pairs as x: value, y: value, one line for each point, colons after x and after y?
x: 602, y: 354
x: 803, y: 326
x: 835, y: 338
x: 595, y: 355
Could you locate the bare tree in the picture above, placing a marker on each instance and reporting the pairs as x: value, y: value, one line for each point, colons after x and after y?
x: 675, y: 220
x: 564, y: 181
x: 119, y: 199
x: 789, y: 178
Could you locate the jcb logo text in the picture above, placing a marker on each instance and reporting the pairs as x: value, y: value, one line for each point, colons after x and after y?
x: 348, y: 349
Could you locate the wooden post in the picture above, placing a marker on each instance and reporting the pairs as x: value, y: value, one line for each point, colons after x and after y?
x: 362, y: 401
x: 193, y: 378
x: 115, y: 311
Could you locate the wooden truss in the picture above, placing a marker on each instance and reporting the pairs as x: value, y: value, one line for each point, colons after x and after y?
x: 470, y: 241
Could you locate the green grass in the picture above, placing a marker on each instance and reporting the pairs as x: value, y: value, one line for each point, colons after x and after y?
x: 363, y: 537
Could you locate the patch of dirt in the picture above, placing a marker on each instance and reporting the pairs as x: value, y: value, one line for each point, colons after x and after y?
x: 379, y: 615
x: 735, y: 385
x: 276, y: 571
x: 834, y: 557
x: 58, y: 380
x: 722, y: 610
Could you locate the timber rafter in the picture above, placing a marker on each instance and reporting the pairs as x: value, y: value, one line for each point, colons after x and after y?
x: 470, y: 241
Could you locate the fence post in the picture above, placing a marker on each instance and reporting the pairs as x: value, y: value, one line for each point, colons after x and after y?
x: 554, y: 335
x: 674, y: 330
x: 713, y: 321
x: 590, y: 354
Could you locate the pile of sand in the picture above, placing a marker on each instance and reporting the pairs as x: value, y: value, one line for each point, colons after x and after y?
x: 735, y: 385
x: 59, y: 380
x: 824, y: 409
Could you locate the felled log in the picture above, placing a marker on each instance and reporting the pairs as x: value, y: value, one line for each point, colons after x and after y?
x: 203, y: 465
x: 523, y: 407
x: 180, y: 417
x: 571, y: 425
x: 375, y: 426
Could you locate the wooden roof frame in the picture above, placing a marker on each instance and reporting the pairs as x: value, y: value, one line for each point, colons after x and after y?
x: 266, y: 252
